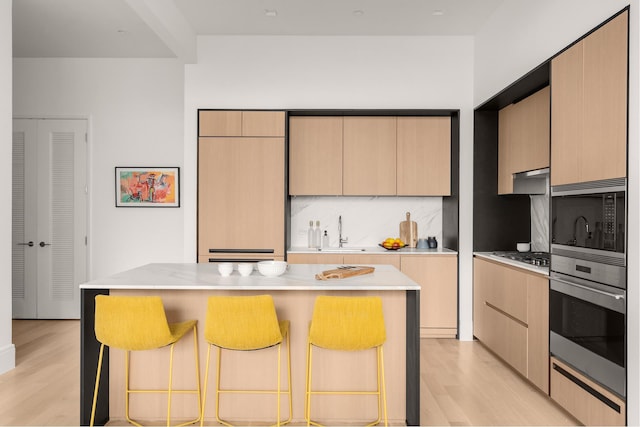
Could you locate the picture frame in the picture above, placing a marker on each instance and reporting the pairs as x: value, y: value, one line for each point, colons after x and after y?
x: 151, y: 187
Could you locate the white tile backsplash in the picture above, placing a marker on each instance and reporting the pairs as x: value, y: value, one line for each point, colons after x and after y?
x: 366, y: 221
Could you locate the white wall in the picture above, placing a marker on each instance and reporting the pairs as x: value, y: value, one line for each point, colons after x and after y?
x: 334, y: 72
x: 135, y: 108
x: 521, y: 35
x: 7, y: 349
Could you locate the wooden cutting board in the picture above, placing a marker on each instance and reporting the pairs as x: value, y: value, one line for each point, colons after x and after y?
x: 409, y: 232
x: 344, y: 272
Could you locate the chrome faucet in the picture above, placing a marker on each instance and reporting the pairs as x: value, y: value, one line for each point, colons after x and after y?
x: 340, y: 239
x: 575, y: 232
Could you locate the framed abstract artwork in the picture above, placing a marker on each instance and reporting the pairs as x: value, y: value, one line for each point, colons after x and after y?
x: 148, y: 187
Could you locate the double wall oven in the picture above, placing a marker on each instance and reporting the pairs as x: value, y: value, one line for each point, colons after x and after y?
x: 587, y: 302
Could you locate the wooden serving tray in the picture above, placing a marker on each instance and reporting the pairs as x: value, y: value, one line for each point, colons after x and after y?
x: 344, y: 272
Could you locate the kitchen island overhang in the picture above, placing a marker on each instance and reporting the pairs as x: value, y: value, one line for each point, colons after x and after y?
x: 185, y: 287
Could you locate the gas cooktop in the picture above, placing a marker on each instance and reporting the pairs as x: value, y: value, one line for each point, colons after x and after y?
x: 541, y: 259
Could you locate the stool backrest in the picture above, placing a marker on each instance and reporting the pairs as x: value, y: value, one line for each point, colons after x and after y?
x: 347, y: 323
x: 131, y: 323
x: 242, y: 322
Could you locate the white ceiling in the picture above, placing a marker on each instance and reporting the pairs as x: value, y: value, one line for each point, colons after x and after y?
x: 168, y: 28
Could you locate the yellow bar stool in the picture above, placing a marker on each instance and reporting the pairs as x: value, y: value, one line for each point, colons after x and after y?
x: 347, y: 324
x: 140, y: 323
x: 243, y: 323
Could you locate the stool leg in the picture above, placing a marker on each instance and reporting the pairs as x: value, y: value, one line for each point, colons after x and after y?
x: 384, y: 387
x: 278, y: 391
x: 197, y: 362
x: 95, y: 391
x: 206, y: 380
x: 289, y: 378
x: 169, y: 390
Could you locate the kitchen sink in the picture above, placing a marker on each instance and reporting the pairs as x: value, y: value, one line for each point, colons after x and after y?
x: 341, y: 250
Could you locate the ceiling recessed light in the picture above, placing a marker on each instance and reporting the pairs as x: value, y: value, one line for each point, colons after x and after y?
x: 270, y: 12
x: 358, y: 12
x: 438, y: 12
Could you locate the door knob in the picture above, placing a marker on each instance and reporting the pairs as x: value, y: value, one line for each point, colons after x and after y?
x: 25, y: 244
x: 43, y: 244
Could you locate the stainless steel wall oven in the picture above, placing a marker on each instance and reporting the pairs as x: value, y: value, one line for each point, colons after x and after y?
x: 587, y: 298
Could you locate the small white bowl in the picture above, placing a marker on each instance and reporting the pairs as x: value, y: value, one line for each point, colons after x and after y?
x: 245, y: 268
x: 272, y: 268
x: 523, y: 247
x: 225, y: 268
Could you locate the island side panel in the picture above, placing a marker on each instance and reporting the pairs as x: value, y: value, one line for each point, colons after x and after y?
x: 148, y: 369
x: 413, y: 358
x: 89, y: 351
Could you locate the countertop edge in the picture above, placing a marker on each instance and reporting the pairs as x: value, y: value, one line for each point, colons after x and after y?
x: 372, y: 250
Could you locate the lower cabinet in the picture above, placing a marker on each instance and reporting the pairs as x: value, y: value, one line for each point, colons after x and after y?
x: 511, y: 317
x: 574, y: 392
x: 438, y: 279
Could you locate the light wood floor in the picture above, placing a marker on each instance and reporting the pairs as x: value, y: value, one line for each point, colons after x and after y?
x: 461, y: 383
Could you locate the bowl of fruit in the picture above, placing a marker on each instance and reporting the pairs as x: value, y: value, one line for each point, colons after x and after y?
x: 393, y: 244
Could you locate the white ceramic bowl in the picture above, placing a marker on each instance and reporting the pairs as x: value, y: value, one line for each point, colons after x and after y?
x: 272, y: 268
x: 245, y: 268
x: 225, y: 268
x: 523, y: 247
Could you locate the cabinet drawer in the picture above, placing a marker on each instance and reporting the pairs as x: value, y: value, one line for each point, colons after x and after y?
x: 235, y: 257
x: 314, y: 259
x: 505, y: 288
x: 575, y: 393
x: 506, y: 337
x: 373, y: 259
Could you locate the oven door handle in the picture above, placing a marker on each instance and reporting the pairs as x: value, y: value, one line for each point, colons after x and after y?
x: 598, y: 291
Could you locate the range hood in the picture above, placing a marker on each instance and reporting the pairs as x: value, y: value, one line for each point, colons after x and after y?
x: 531, y: 182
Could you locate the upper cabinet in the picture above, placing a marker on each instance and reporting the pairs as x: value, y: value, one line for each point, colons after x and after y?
x: 523, y: 138
x: 589, y: 106
x: 370, y: 155
x: 315, y: 155
x: 424, y: 156
x: 241, y: 123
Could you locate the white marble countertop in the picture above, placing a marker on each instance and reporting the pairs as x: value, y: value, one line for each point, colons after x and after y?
x: 523, y: 265
x: 205, y: 276
x: 369, y: 250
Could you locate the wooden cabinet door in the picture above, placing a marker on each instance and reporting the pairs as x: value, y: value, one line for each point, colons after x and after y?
x: 314, y: 259
x: 507, y: 125
x: 369, y: 162
x: 438, y: 279
x: 523, y: 138
x: 241, y: 194
x: 424, y: 156
x: 372, y: 259
x: 315, y: 156
x: 604, y: 147
x: 263, y: 123
x: 589, y: 107
x: 219, y: 123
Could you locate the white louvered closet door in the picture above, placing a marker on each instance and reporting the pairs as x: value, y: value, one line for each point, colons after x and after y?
x: 55, y: 220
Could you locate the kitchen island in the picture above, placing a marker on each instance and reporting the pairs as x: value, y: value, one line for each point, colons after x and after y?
x: 184, y: 289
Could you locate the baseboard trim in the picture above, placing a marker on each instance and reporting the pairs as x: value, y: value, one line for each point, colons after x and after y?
x: 7, y: 358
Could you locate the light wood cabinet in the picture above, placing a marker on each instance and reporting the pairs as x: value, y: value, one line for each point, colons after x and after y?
x: 438, y: 279
x: 369, y: 156
x: 350, y: 259
x: 241, y: 195
x: 241, y: 123
x: 315, y: 156
x: 424, y: 156
x: 589, y: 106
x: 511, y: 317
x: 315, y: 258
x: 523, y: 138
x: 588, y: 409
x: 372, y: 156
